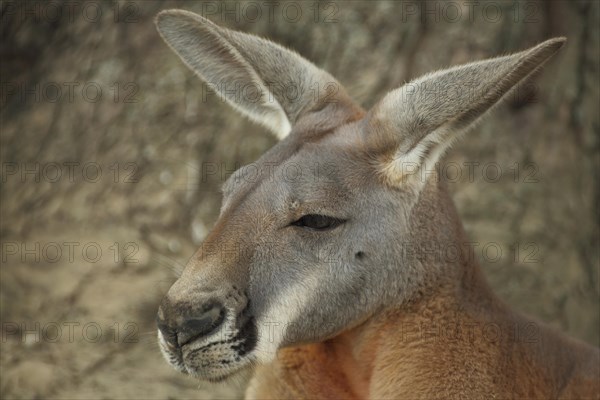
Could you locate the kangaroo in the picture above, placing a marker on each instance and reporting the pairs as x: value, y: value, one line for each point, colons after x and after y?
x: 323, y: 270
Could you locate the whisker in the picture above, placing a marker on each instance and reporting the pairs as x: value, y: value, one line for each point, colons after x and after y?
x: 170, y: 263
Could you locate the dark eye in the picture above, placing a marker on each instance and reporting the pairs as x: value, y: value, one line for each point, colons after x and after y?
x: 318, y: 222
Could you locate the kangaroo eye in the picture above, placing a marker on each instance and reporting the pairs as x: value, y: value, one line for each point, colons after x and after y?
x: 318, y: 222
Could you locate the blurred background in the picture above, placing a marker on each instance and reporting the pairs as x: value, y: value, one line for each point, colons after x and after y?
x: 112, y: 156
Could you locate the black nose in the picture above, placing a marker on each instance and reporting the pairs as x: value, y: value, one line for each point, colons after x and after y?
x: 181, y: 323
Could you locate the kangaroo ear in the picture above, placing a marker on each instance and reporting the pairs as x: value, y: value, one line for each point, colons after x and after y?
x: 264, y: 81
x: 414, y: 125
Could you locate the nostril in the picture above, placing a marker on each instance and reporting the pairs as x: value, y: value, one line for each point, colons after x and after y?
x: 201, y: 325
x: 168, y: 333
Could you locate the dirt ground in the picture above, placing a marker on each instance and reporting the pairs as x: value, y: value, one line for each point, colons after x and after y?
x: 113, y: 153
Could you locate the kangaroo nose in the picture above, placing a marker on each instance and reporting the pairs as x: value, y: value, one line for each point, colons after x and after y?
x: 182, y: 324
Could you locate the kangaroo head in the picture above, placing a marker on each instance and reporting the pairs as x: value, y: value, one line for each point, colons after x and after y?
x: 307, y: 243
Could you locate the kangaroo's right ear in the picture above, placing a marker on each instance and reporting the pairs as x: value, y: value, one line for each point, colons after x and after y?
x: 268, y: 83
x: 411, y: 127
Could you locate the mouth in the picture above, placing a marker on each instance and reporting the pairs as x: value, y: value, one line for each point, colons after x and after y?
x: 217, y: 357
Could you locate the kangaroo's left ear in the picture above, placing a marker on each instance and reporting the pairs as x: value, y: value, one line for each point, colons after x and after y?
x: 414, y: 125
x: 264, y: 81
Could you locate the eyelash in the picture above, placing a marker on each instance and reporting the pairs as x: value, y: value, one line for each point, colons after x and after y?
x: 318, y: 222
